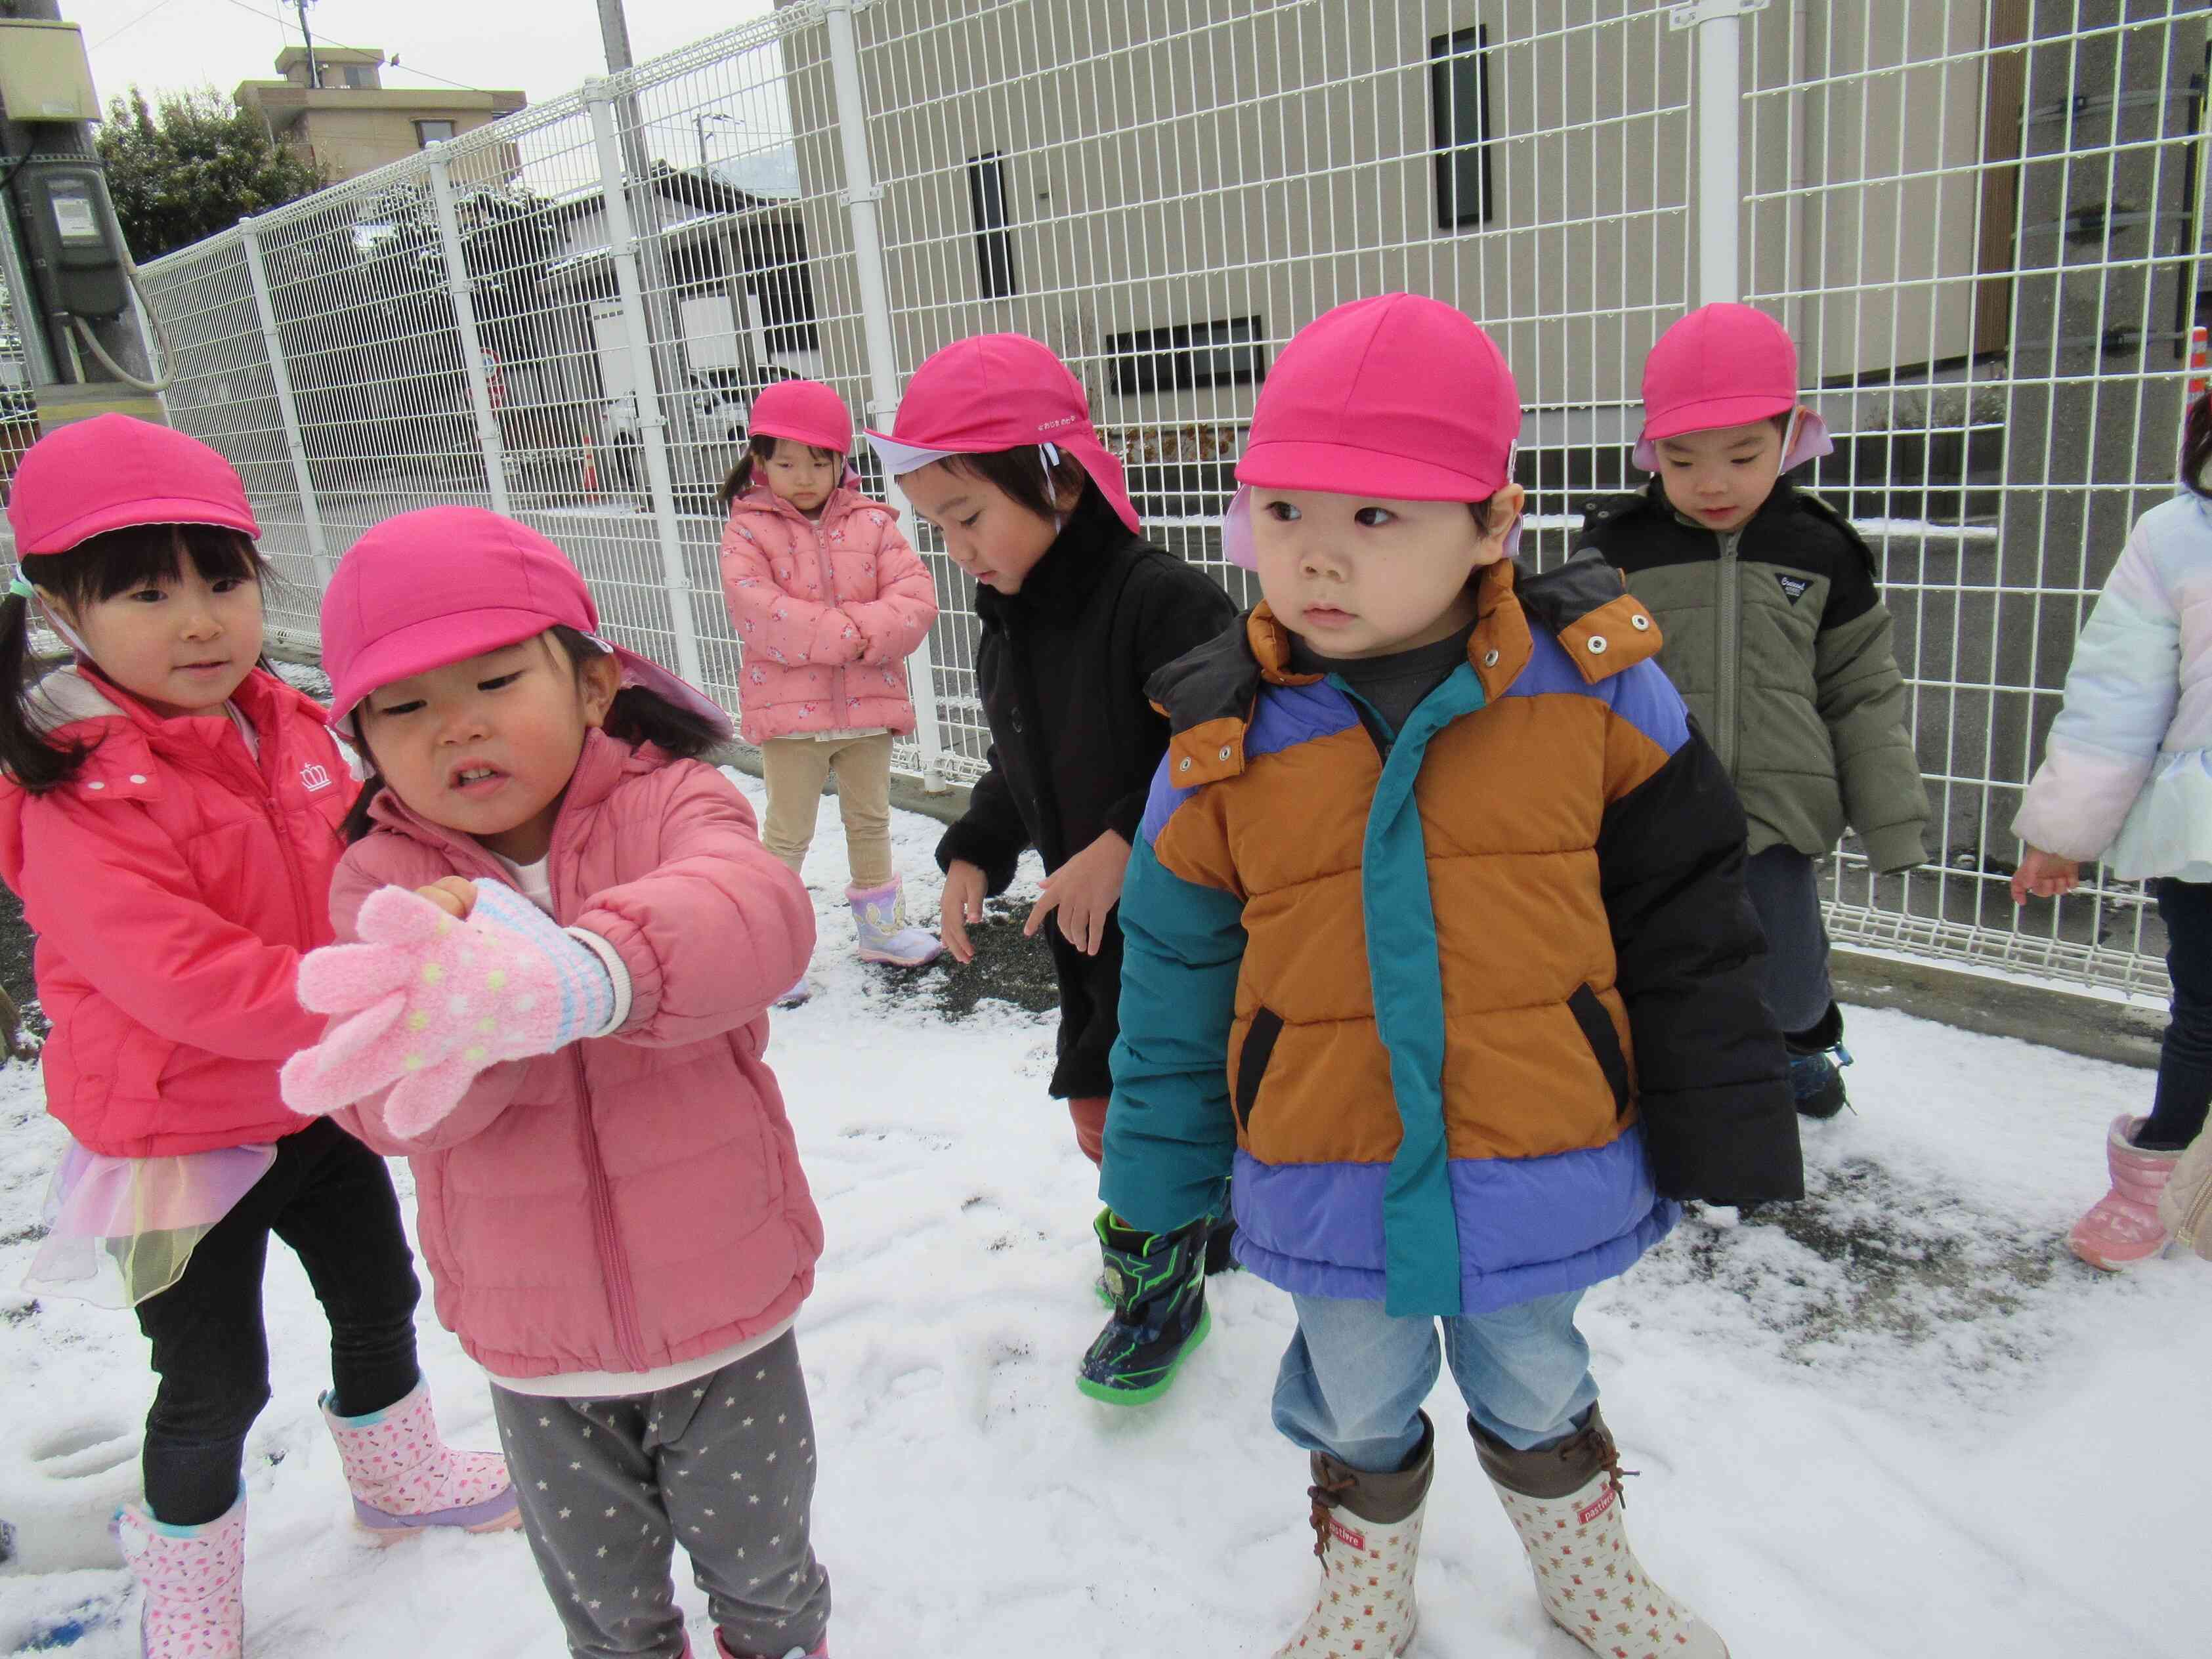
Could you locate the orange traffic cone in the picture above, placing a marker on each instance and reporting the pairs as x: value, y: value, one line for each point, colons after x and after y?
x: 2197, y: 360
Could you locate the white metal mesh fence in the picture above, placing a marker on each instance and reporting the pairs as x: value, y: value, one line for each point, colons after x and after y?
x: 1982, y: 219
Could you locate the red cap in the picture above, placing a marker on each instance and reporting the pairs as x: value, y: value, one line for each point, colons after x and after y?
x: 448, y: 583
x: 1399, y: 397
x: 1722, y: 365
x: 805, y: 411
x: 995, y: 393
x: 91, y: 477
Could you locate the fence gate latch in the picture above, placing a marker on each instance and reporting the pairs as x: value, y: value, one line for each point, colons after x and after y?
x: 1708, y: 11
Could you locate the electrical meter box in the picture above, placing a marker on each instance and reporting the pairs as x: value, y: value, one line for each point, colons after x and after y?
x: 70, y: 234
x: 44, y: 75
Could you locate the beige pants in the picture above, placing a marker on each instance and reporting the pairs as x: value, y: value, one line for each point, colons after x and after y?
x: 794, y: 769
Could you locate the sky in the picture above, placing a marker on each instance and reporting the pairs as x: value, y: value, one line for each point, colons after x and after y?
x: 546, y: 47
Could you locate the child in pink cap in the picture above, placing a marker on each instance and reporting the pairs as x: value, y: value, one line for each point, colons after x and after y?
x: 1778, y: 639
x: 828, y: 601
x: 1438, y: 942
x: 170, y: 816
x: 993, y: 446
x: 563, y: 937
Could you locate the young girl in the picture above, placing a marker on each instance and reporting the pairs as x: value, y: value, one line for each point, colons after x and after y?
x: 828, y: 600
x: 2127, y: 778
x: 170, y: 817
x: 1438, y: 939
x: 570, y: 938
x: 994, y: 444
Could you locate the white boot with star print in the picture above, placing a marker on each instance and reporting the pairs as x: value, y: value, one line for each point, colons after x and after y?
x: 1367, y: 1532
x: 1565, y: 1500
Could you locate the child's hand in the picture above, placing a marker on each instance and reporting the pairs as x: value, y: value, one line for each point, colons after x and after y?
x: 1084, y: 891
x: 427, y: 1002
x: 960, y: 908
x: 455, y: 895
x: 2045, y: 875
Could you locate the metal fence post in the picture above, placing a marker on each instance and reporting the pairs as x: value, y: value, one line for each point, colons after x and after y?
x: 458, y: 284
x: 1718, y: 101
x: 860, y: 195
x: 287, y: 408
x: 653, y: 425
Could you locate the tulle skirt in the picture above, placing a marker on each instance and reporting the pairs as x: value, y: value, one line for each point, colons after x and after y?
x: 120, y: 1229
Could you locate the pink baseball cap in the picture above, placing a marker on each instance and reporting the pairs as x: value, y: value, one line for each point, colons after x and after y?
x: 1352, y: 407
x: 805, y: 411
x: 447, y: 583
x: 996, y: 393
x: 91, y: 476
x: 1725, y: 365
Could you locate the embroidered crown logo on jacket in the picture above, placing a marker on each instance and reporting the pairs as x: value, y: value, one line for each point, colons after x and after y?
x: 314, y: 777
x: 1793, y: 587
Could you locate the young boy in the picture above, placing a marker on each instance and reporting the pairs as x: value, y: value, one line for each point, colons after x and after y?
x: 1776, y: 635
x: 1436, y: 939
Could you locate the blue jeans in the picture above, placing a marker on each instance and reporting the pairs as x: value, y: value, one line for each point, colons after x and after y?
x: 1353, y: 1378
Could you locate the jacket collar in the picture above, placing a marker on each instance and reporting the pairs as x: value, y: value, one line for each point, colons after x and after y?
x: 1061, y: 583
x: 603, y: 764
x: 1211, y: 696
x: 126, y: 734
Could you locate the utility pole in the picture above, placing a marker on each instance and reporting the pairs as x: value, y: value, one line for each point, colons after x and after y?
x: 614, y: 35
x: 314, y: 75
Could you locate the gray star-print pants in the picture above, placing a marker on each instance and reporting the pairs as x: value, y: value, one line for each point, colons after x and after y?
x: 723, y: 1465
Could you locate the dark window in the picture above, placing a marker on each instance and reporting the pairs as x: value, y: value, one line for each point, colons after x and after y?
x: 1189, y: 354
x: 1459, y: 117
x: 432, y: 132
x: 360, y: 78
x: 995, y: 241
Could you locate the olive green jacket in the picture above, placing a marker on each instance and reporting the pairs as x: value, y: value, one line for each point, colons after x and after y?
x: 1776, y: 636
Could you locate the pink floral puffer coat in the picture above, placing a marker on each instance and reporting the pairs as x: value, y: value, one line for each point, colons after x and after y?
x: 828, y: 609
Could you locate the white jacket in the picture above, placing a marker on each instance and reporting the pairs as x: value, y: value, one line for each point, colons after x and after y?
x: 2127, y: 772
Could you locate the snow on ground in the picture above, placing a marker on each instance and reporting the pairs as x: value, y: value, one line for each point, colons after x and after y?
x: 1896, y: 1418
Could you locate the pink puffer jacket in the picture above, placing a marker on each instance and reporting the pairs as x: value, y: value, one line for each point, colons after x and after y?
x: 174, y: 883
x: 631, y: 1201
x: 827, y: 611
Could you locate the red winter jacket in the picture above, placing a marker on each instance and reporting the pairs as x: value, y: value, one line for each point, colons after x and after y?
x: 635, y: 1200
x: 174, y: 883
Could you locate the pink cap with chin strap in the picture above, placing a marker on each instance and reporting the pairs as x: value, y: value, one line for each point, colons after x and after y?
x: 440, y: 585
x: 995, y: 393
x: 1352, y: 408
x: 1726, y: 365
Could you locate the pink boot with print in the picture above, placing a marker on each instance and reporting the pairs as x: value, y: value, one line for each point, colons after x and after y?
x: 2122, y: 1228
x: 405, y: 1478
x: 194, y: 1578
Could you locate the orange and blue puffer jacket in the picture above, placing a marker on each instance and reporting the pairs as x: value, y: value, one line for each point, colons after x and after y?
x: 1464, y: 1012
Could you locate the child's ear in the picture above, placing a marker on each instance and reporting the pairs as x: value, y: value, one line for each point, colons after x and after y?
x: 1504, y: 507
x: 599, y: 680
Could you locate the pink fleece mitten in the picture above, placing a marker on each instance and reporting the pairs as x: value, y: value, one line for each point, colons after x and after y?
x: 434, y: 1002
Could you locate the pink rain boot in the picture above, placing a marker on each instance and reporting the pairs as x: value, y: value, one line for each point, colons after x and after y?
x: 2122, y: 1228
x: 722, y: 1650
x: 880, y: 918
x: 194, y: 1581
x: 405, y: 1478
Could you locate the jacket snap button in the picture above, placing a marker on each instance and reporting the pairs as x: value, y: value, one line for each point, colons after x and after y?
x: 1225, y: 754
x: 1490, y: 659
x: 138, y: 777
x: 1641, y: 624
x: 95, y: 784
x: 1597, y: 645
x: 1185, y: 765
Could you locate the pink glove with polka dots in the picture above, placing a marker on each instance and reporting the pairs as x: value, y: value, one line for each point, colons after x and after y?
x: 428, y: 1002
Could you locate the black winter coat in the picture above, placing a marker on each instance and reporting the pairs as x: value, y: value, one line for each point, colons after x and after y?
x: 1061, y: 670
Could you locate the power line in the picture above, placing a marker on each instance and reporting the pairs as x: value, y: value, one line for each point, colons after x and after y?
x: 286, y: 23
x: 128, y: 27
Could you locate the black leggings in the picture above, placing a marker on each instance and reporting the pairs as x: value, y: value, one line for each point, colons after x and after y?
x: 2184, y: 1062
x: 330, y: 1199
